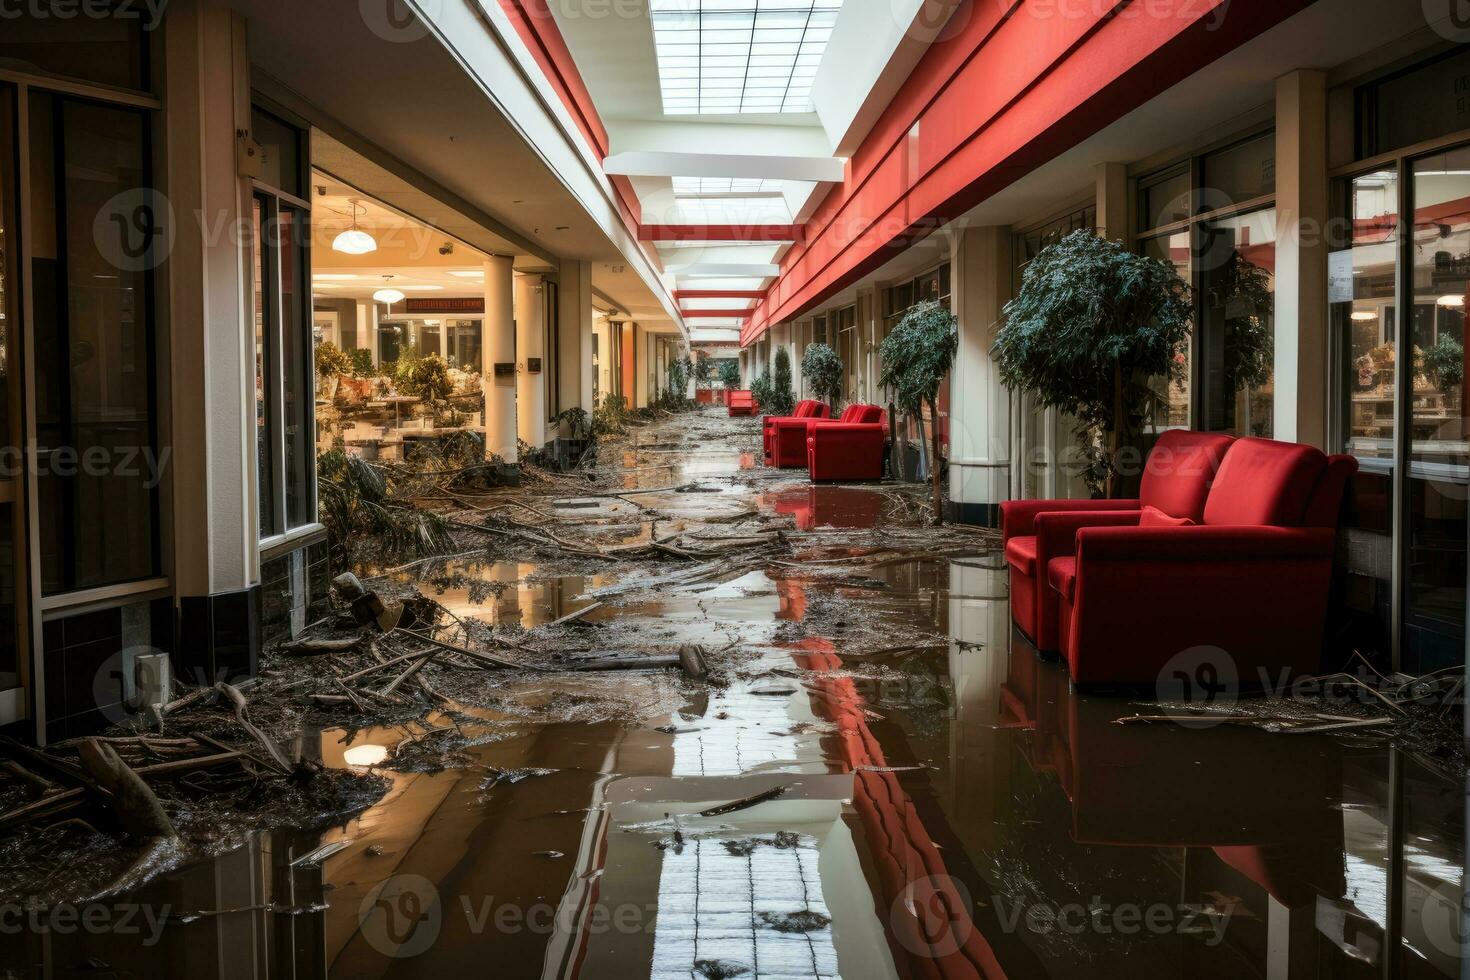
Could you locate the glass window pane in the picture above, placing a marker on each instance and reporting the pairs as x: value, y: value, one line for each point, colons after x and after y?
x: 48, y: 37
x: 264, y: 381
x: 298, y: 380
x: 1172, y: 394
x: 1164, y: 201
x: 280, y: 156
x: 1237, y: 259
x: 1439, y: 426
x: 1366, y: 322
x: 96, y: 457
x: 9, y: 243
x: 1423, y: 103
x: 1238, y: 173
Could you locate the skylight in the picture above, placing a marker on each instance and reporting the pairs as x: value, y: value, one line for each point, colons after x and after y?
x: 740, y: 56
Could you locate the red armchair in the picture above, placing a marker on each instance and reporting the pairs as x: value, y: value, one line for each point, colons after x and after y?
x: 741, y: 402
x: 1175, y: 481
x: 806, y: 409
x: 850, y: 448
x: 1252, y: 579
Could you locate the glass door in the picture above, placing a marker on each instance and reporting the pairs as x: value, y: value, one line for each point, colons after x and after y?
x: 13, y: 666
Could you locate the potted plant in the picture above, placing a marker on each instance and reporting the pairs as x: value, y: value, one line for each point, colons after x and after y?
x: 1091, y: 325
x: 1444, y: 363
x: 916, y: 357
x: 822, y: 370
x: 783, y: 399
x: 332, y: 365
x: 729, y: 377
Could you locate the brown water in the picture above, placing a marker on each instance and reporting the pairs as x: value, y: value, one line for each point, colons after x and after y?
x: 951, y: 812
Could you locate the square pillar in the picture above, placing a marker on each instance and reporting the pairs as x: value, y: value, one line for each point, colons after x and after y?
x: 529, y: 311
x: 1300, y: 408
x: 979, y: 405
x: 574, y: 334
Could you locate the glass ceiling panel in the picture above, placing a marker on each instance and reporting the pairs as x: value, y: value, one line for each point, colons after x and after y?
x: 740, y: 56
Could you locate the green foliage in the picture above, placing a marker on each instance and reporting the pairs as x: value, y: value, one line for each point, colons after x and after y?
x: 918, y: 354
x: 577, y: 422
x: 362, y: 362
x: 822, y: 369
x: 783, y: 399
x: 611, y: 417
x: 730, y: 374
x: 425, y: 377
x: 1444, y: 362
x: 1092, y: 323
x: 357, y: 508
x: 331, y: 362
x: 704, y: 369
x: 1250, y: 344
x: 762, y: 389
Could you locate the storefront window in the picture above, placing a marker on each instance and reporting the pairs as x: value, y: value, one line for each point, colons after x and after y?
x: 1236, y: 306
x: 1171, y: 393
x: 1364, y: 316
x: 55, y: 40
x: 94, y: 343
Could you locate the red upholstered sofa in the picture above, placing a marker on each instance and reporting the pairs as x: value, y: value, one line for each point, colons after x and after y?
x: 1175, y: 480
x: 742, y: 402
x: 850, y: 448
x: 1250, y: 577
x: 796, y: 444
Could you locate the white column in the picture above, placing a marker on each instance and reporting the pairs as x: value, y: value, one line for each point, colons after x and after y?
x: 498, y: 347
x: 642, y: 364
x: 211, y: 485
x: 365, y: 326
x: 1301, y: 258
x: 574, y: 333
x: 530, y: 317
x: 979, y: 405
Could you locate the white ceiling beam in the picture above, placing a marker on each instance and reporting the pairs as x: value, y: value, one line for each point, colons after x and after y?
x: 647, y: 163
x: 738, y: 270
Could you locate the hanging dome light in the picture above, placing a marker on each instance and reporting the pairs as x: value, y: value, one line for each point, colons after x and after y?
x: 1363, y: 316
x: 388, y: 294
x: 1452, y: 299
x: 355, y: 241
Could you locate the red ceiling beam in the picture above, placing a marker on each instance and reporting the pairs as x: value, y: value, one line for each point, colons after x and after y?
x: 719, y: 233
x: 683, y: 294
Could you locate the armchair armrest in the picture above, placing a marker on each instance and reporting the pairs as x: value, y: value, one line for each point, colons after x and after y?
x: 1056, y: 530
x: 1204, y: 544
x: 1018, y: 517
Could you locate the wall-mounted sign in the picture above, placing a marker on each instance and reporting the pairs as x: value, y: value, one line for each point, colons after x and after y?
x: 533, y: 365
x: 505, y: 373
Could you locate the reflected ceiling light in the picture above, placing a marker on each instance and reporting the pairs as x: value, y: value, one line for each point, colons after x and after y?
x: 388, y: 294
x: 1363, y: 316
x: 355, y: 241
x: 365, y: 755
x: 1452, y: 299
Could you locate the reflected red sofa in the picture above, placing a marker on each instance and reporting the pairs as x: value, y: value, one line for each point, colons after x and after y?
x: 1248, y: 582
x: 796, y: 454
x: 742, y: 402
x: 850, y: 448
x: 1175, y: 481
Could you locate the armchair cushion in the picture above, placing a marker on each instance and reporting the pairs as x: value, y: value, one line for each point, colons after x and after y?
x: 1018, y: 517
x: 1061, y: 573
x: 1151, y: 516
x: 1180, y: 469
x: 1021, y: 554
x: 1262, y: 481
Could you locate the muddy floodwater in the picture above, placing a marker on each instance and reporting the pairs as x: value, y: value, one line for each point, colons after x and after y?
x: 950, y: 808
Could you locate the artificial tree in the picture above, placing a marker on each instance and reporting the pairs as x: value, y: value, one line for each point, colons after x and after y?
x: 917, y: 356
x: 730, y: 374
x: 822, y: 369
x: 703, y: 370
x: 1092, y: 324
x: 783, y: 399
x: 332, y: 365
x: 1444, y: 363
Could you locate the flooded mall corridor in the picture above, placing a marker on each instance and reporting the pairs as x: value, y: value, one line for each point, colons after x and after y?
x: 878, y: 779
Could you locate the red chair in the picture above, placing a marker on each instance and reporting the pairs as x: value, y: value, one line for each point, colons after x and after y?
x: 1251, y: 578
x: 1175, y: 481
x: 742, y: 403
x: 805, y: 409
x: 851, y: 448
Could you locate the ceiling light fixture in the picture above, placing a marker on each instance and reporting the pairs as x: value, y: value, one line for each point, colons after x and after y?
x: 355, y: 241
x: 1363, y: 316
x: 1452, y: 299
x: 388, y: 294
